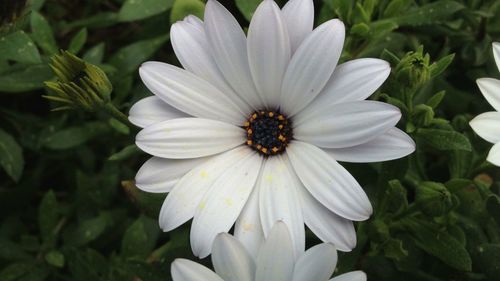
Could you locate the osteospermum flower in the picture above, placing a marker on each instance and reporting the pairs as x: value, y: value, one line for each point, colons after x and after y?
x: 232, y: 262
x: 250, y: 131
x: 486, y: 124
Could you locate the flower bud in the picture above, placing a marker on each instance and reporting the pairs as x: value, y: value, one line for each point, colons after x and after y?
x: 79, y: 84
x: 422, y: 115
x: 433, y: 198
x: 413, y: 69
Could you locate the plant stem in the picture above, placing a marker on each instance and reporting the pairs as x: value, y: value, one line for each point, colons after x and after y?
x: 117, y: 114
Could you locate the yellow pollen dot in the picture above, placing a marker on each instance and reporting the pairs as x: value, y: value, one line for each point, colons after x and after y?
x: 271, y: 114
x: 259, y: 146
x: 204, y: 174
x: 249, y: 131
x: 281, y: 137
x: 281, y: 117
x: 280, y: 127
x: 246, y: 124
x: 249, y: 142
x: 268, y: 178
x: 248, y: 226
x: 254, y: 116
x: 275, y: 149
x: 264, y: 150
x: 202, y: 205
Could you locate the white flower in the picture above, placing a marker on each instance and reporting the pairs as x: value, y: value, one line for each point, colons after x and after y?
x: 486, y: 125
x: 251, y: 131
x: 232, y: 262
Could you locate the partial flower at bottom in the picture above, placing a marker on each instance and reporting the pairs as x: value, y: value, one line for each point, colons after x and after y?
x: 486, y: 125
x: 250, y: 131
x: 232, y: 262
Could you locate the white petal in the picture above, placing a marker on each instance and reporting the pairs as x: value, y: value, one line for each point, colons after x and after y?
x: 311, y: 66
x: 317, y: 263
x: 354, y: 80
x: 268, y: 52
x: 279, y: 201
x: 191, y: 48
x: 223, y: 203
x: 491, y: 91
x: 248, y: 228
x: 275, y: 261
x: 487, y: 126
x: 159, y: 175
x: 152, y: 110
x: 229, y: 48
x: 189, y: 138
x: 351, y: 276
x: 494, y: 155
x: 231, y: 260
x: 299, y: 17
x: 391, y: 145
x: 329, y: 182
x: 186, y: 270
x: 326, y: 225
x: 189, y: 93
x: 496, y: 53
x: 181, y: 203
x: 347, y: 124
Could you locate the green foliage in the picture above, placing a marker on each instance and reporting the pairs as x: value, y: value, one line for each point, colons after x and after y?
x: 70, y: 208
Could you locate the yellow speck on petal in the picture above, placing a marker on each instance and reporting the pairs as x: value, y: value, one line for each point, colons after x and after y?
x: 269, y: 177
x: 204, y: 174
x: 202, y: 205
x: 228, y: 201
x: 248, y: 226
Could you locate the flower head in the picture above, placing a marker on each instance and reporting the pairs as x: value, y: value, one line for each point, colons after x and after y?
x: 250, y: 131
x: 274, y: 262
x: 486, y: 124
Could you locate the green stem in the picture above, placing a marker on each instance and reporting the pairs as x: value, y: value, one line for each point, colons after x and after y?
x: 117, y: 114
x: 411, y: 210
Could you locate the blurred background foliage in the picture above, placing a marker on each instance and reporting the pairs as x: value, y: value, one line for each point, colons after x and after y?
x: 70, y: 210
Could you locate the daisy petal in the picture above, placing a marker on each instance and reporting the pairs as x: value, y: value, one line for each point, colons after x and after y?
x: 248, y: 228
x: 317, y: 263
x: 329, y: 182
x: 275, y: 261
x: 191, y: 48
x: 299, y: 18
x: 189, y: 93
x: 311, y: 66
x: 496, y: 53
x: 355, y: 80
x: 351, y: 276
x: 189, y: 138
x: 159, y: 175
x: 494, y: 155
x: 223, y: 203
x: 391, y: 145
x: 229, y: 48
x: 279, y: 201
x: 325, y: 224
x: 491, y: 91
x: 486, y: 126
x: 186, y: 270
x: 181, y: 203
x: 152, y: 110
x: 268, y: 51
x: 347, y: 124
x: 231, y: 260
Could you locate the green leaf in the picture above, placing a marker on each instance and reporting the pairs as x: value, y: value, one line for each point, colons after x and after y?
x: 26, y: 79
x: 429, y: 14
x: 74, y: 136
x: 444, y: 140
x: 488, y: 261
x: 125, y: 153
x: 42, y: 33
x: 90, y: 229
x: 183, y: 8
x: 55, y: 258
x: 11, y: 156
x: 140, y: 9
x: 48, y: 216
x: 11, y: 251
x: 128, y: 58
x: 119, y: 126
x: 19, y: 47
x: 140, y: 238
x: 436, y: 99
x: 395, y: 7
x: 95, y: 54
x: 247, y: 7
x: 441, y: 65
x: 439, y: 244
x: 78, y: 41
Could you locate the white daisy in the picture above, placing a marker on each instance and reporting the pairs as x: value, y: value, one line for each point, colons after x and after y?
x: 487, y: 125
x: 232, y: 262
x: 250, y: 131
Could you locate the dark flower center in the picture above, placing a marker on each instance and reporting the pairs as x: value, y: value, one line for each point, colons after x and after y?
x: 268, y: 132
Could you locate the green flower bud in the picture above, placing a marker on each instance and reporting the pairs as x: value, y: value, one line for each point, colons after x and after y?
x: 378, y: 231
x: 413, y: 69
x: 79, y: 84
x: 433, y: 198
x: 422, y: 115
